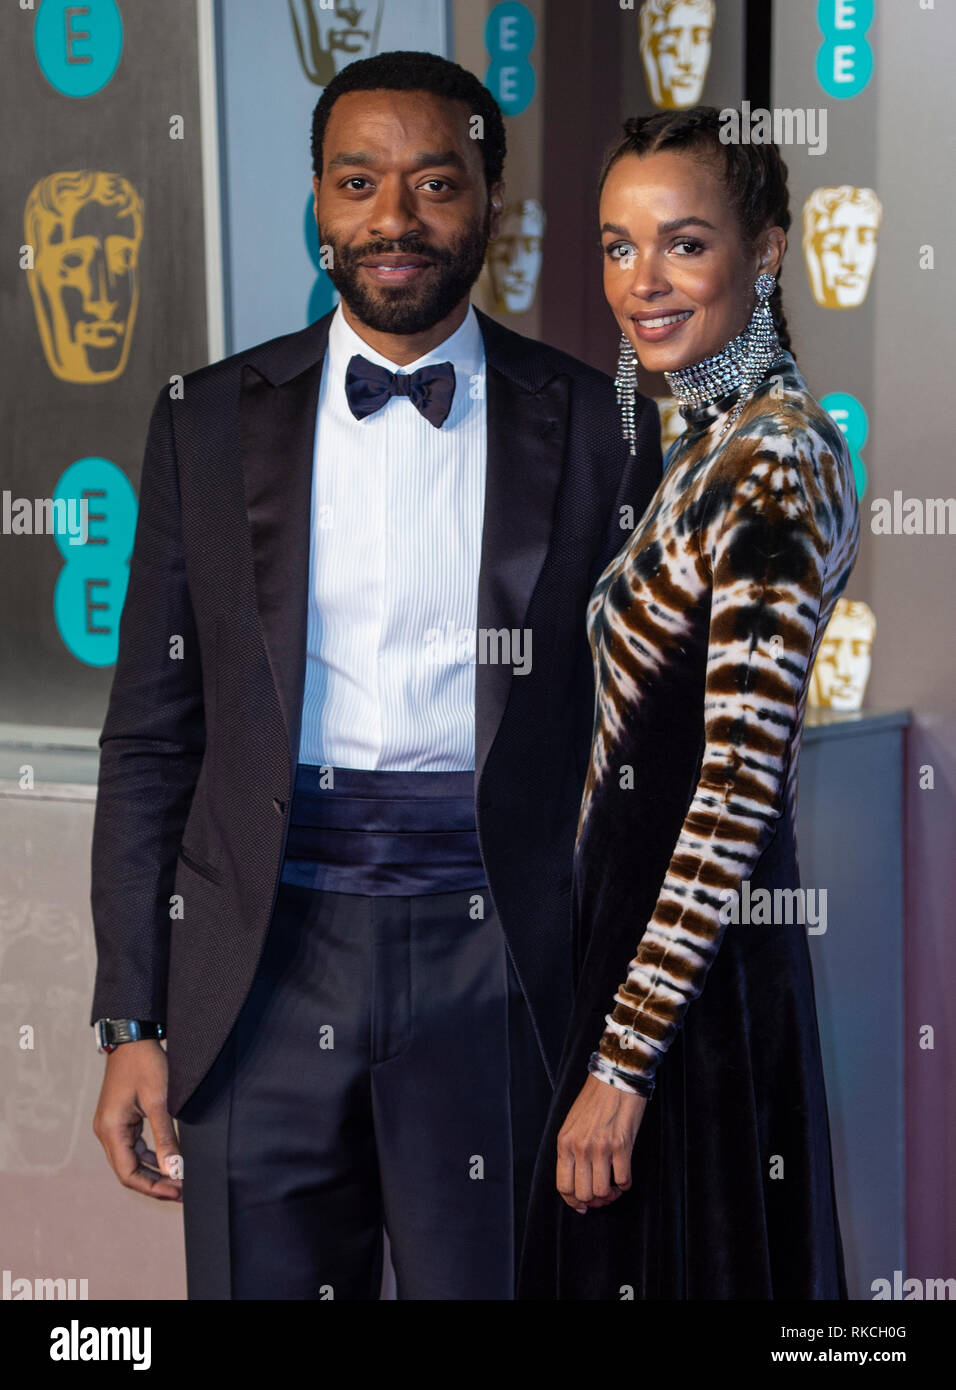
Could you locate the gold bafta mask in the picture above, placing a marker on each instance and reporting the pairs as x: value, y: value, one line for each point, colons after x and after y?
x: 85, y: 228
x: 840, y: 227
x: 675, y: 49
x: 43, y: 963
x: 330, y: 34
x: 672, y: 421
x: 514, y: 257
x: 842, y: 667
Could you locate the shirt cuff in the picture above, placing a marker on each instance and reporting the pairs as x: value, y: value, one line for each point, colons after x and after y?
x: 635, y: 1085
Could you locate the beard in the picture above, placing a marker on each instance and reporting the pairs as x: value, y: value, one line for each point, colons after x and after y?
x: 409, y: 308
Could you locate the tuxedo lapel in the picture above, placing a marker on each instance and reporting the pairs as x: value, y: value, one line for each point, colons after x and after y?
x: 277, y: 410
x: 526, y: 430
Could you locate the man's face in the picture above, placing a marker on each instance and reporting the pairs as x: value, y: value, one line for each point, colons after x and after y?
x: 403, y: 205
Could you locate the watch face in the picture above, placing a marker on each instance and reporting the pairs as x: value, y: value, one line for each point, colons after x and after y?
x: 111, y: 1032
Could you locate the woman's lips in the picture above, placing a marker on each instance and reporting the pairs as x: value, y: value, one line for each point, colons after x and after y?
x: 654, y: 328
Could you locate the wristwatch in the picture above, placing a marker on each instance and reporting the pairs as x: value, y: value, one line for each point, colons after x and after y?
x: 110, y: 1032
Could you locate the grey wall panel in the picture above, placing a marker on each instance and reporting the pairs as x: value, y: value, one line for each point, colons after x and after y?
x: 65, y: 1216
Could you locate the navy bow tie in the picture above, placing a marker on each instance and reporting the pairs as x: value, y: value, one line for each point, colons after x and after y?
x: 430, y: 389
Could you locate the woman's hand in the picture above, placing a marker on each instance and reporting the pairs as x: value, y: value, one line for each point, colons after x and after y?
x: 595, y: 1143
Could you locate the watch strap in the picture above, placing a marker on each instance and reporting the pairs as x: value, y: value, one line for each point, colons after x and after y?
x: 111, y: 1032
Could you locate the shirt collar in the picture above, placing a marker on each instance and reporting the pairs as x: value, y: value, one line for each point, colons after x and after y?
x: 464, y: 348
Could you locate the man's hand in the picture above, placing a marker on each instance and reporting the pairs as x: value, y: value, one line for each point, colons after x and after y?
x: 134, y: 1089
x: 595, y: 1143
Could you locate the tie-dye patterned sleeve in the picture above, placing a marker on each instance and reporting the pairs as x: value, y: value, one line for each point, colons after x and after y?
x: 764, y: 551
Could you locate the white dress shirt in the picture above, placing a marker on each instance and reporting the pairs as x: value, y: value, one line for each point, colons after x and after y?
x: 397, y: 512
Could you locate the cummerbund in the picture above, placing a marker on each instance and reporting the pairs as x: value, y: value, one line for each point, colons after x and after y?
x: 354, y: 830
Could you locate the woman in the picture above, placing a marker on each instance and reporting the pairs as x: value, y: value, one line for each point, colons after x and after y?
x: 687, y: 1153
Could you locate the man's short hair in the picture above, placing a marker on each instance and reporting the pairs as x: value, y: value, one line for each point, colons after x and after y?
x: 402, y: 71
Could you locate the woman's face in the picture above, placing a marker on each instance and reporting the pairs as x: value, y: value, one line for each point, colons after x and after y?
x: 677, y: 273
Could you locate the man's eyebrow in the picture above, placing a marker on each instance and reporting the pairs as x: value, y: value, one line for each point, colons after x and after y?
x: 428, y: 159
x: 441, y: 157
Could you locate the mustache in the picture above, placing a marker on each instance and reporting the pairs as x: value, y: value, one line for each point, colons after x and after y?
x: 386, y: 248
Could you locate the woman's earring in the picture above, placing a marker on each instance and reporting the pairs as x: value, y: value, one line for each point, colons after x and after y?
x: 763, y: 347
x: 626, y: 383
x: 762, y: 329
x: 764, y: 286
x: 763, y: 332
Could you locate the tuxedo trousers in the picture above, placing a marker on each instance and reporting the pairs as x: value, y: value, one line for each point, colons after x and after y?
x: 383, y: 1073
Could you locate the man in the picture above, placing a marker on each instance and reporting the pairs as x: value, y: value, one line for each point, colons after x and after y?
x: 332, y: 853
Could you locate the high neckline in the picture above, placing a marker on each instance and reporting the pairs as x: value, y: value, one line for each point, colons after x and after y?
x: 701, y: 417
x: 712, y: 387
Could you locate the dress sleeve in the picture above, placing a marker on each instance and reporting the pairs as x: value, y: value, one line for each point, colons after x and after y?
x: 766, y: 559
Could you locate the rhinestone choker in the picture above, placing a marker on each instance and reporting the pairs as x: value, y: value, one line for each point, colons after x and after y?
x: 742, y: 363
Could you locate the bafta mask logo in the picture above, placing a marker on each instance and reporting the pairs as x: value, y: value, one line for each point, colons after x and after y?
x: 840, y: 227
x: 330, y: 34
x: 675, y: 49
x: 514, y: 257
x: 672, y: 421
x: 842, y: 668
x: 44, y: 969
x: 85, y: 228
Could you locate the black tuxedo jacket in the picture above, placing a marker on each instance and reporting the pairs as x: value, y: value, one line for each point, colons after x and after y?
x: 200, y: 743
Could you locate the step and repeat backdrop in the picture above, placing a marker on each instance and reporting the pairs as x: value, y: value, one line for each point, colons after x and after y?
x: 103, y: 295
x: 159, y: 202
x: 158, y: 207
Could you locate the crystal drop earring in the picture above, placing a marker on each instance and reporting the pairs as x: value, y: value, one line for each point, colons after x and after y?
x: 762, y: 347
x: 764, y: 286
x: 762, y: 334
x: 626, y: 384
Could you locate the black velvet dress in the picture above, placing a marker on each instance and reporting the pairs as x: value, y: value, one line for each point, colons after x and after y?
x: 703, y: 631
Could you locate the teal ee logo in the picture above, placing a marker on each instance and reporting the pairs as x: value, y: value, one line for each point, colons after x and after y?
x: 89, y: 593
x: 845, y: 59
x: 509, y: 38
x: 324, y: 295
x: 78, y: 47
x: 851, y: 418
